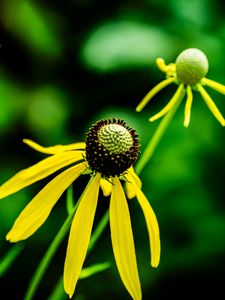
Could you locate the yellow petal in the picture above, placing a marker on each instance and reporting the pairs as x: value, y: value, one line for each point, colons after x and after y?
x: 211, y: 105
x: 170, y: 104
x: 214, y: 85
x: 187, y: 110
x: 37, y: 211
x: 152, y: 226
x: 131, y: 178
x: 130, y: 190
x: 39, y: 171
x: 153, y: 92
x: 134, y: 177
x: 160, y: 62
x: 106, y: 187
x: 80, y: 233
x: 169, y: 69
x: 54, y: 149
x: 122, y: 240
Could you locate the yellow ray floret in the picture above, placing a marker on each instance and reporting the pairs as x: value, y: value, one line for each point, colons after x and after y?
x: 39, y: 171
x: 214, y: 85
x: 187, y: 110
x: 152, y: 226
x: 122, y: 240
x: 80, y: 233
x: 170, y: 104
x: 37, y: 211
x: 211, y: 105
x: 153, y: 92
x: 106, y: 187
x: 54, y: 149
x: 131, y: 179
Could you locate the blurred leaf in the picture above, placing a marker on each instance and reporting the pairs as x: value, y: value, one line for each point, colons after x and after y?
x: 47, y: 113
x: 124, y: 44
x: 194, y: 11
x: 9, y: 102
x: 30, y: 25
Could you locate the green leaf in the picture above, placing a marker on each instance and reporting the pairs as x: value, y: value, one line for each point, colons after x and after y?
x: 94, y: 269
x: 123, y: 44
x: 31, y: 25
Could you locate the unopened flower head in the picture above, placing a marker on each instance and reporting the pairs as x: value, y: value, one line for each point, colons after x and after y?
x: 110, y: 150
x: 188, y: 72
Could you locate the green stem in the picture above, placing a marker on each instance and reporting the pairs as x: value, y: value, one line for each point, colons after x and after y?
x: 154, y: 141
x: 8, y: 259
x: 69, y: 200
x: 57, y: 292
x: 44, y: 263
x: 98, y: 231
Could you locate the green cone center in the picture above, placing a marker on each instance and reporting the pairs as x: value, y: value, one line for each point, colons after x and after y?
x: 191, y: 66
x: 115, y: 138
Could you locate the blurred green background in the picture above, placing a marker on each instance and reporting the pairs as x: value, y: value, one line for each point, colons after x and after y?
x: 66, y: 64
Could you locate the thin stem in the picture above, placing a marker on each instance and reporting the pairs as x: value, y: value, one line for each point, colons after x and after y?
x: 154, y: 141
x: 8, y: 259
x: 69, y: 200
x: 98, y: 231
x: 44, y: 263
x: 57, y: 292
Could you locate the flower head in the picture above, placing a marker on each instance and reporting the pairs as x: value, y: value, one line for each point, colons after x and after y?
x: 110, y: 150
x: 188, y: 72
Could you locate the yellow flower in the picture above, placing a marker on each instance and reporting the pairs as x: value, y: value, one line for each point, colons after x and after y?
x: 110, y: 150
x: 189, y: 73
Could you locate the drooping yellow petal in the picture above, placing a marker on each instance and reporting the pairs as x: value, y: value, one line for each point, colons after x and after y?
x: 214, y: 85
x: 134, y: 176
x: 153, y: 92
x: 106, y: 187
x: 187, y: 110
x: 80, y: 233
x: 131, y: 177
x: 130, y: 190
x: 37, y: 211
x: 39, y: 171
x: 160, y: 62
x: 211, y: 105
x: 152, y: 226
x: 122, y: 240
x: 54, y: 149
x: 170, y: 104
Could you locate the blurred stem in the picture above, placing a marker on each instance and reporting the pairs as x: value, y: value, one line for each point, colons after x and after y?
x: 44, y: 263
x: 98, y: 231
x: 58, y: 292
x: 154, y: 141
x: 8, y: 259
x: 69, y: 200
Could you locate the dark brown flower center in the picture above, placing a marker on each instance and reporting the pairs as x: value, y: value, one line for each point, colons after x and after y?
x: 111, y: 147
